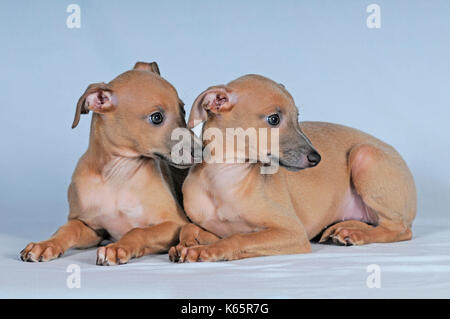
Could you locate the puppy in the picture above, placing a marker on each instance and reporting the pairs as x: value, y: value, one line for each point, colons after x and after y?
x: 354, y: 182
x: 121, y: 189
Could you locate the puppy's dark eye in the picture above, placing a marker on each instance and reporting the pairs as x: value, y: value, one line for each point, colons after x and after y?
x: 156, y: 118
x: 273, y: 119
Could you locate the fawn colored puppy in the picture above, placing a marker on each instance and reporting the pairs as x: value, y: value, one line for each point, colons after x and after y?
x: 122, y: 188
x: 353, y: 185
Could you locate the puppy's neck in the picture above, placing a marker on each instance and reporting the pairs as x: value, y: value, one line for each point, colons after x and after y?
x: 120, y: 169
x: 227, y: 175
x: 113, y: 163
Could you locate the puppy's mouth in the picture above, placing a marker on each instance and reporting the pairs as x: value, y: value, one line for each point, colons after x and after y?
x: 279, y: 161
x: 170, y: 162
x: 290, y: 167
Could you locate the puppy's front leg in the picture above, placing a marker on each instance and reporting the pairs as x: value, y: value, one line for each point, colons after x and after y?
x: 270, y: 241
x: 74, y: 233
x: 192, y: 235
x: 139, y: 242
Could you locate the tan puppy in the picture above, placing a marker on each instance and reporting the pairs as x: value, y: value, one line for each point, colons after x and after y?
x: 362, y: 187
x: 120, y: 188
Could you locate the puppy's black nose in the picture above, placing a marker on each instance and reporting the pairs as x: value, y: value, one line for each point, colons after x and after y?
x: 313, y: 158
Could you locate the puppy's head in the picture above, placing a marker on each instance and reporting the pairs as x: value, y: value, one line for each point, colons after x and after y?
x: 253, y: 101
x: 136, y: 112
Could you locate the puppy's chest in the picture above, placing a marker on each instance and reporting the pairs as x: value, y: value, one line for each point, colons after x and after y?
x: 116, y: 211
x: 115, y: 207
x: 216, y: 206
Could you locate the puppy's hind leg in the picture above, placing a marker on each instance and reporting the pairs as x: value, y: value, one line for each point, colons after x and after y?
x: 383, y: 181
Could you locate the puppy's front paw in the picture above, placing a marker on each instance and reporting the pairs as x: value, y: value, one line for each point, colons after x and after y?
x: 178, y: 253
x: 183, y: 254
x: 42, y: 251
x: 113, y: 254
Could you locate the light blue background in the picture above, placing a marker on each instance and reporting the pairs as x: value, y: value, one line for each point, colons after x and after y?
x: 391, y: 82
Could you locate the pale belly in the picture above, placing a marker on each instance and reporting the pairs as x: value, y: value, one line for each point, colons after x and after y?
x: 350, y: 206
x: 353, y: 208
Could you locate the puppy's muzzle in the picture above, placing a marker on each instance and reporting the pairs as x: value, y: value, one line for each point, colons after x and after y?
x: 295, y: 159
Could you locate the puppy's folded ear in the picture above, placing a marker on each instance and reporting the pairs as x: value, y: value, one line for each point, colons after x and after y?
x: 97, y: 98
x: 144, y: 66
x: 216, y: 99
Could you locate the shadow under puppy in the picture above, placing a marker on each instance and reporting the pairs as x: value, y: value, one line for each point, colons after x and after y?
x: 121, y: 189
x: 359, y: 184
